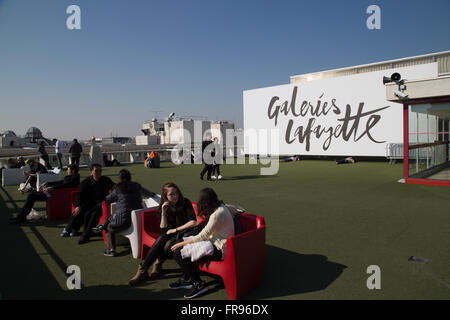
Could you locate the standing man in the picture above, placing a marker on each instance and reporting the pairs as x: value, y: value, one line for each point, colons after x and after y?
x: 58, y: 150
x: 44, y: 155
x: 93, y: 191
x: 75, y: 152
x: 208, y: 164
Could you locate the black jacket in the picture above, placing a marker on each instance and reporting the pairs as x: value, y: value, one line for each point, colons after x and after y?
x: 205, y: 144
x: 40, y: 169
x: 92, y: 193
x: 71, y: 181
x: 42, y: 151
x: 76, y: 149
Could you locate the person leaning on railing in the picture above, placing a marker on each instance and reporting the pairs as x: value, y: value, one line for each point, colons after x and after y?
x: 177, y: 218
x: 75, y: 152
x: 44, y: 155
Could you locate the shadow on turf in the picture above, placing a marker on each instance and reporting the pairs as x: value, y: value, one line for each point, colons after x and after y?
x: 289, y: 273
x: 246, y: 177
x: 125, y: 292
x: 24, y: 276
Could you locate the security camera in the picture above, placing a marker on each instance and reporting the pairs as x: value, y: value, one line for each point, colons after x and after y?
x: 400, y: 94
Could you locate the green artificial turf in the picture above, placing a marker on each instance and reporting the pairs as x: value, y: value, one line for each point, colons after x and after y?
x: 325, y: 225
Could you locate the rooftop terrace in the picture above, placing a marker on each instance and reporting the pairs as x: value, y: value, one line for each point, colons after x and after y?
x: 325, y: 225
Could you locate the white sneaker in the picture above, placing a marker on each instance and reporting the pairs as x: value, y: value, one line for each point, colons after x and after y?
x: 34, y: 215
x: 213, y: 177
x: 220, y: 177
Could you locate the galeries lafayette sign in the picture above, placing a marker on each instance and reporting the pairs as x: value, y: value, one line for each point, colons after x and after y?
x: 335, y: 116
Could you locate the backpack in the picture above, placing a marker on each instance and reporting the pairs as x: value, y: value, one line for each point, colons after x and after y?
x: 153, y: 155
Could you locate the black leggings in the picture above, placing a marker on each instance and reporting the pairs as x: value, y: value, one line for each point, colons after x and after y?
x: 161, y: 248
x: 216, y: 167
x: 189, y: 268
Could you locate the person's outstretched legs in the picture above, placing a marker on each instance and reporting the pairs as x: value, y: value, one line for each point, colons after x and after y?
x: 29, y: 203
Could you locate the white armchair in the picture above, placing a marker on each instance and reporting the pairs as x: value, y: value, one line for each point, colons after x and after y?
x: 14, y: 177
x: 46, y: 177
x: 134, y: 232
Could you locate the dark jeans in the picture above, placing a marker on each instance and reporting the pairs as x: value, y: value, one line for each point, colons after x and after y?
x: 161, y: 248
x: 189, y: 268
x: 75, y: 160
x: 59, y: 156
x: 89, y: 218
x: 216, y: 167
x: 111, y: 235
x: 29, y: 203
x: 343, y: 161
x: 32, y: 182
x: 47, y: 161
x: 207, y: 168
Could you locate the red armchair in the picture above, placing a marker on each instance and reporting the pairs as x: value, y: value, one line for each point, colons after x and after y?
x: 243, y: 266
x: 150, y: 230
x: 73, y: 199
x: 106, y: 212
x: 59, y: 205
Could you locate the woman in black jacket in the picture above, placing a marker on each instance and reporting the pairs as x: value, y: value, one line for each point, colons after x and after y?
x: 177, y: 218
x: 128, y: 197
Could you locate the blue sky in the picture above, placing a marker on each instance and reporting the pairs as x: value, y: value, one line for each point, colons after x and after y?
x: 194, y: 58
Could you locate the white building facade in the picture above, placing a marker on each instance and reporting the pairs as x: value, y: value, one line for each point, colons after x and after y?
x: 340, y: 112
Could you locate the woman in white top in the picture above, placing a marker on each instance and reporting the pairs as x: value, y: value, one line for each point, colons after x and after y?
x: 218, y: 228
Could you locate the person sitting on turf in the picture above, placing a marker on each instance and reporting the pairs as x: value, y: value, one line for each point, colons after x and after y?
x: 72, y: 180
x: 128, y: 197
x: 219, y: 227
x: 346, y: 160
x: 290, y: 159
x: 35, y: 169
x: 92, y: 193
x: 109, y: 163
x: 177, y: 218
